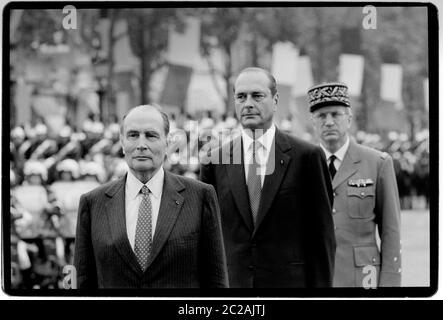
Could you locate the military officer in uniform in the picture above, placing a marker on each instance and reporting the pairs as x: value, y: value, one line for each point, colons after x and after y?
x: 365, y: 196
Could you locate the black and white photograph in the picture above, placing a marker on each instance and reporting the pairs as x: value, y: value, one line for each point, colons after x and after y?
x: 220, y: 149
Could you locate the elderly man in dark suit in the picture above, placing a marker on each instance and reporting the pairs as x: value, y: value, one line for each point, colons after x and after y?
x: 149, y: 229
x: 365, y: 196
x: 275, y: 197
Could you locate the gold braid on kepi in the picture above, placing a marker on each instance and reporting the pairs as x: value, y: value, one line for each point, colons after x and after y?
x: 326, y: 94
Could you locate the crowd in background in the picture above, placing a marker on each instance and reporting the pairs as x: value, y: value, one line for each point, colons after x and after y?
x: 49, y: 171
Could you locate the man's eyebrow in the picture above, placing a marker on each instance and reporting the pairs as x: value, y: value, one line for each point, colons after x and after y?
x: 150, y: 132
x: 251, y: 92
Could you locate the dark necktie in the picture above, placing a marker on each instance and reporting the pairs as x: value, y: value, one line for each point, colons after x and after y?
x: 143, y: 231
x: 254, y: 182
x: 332, y: 169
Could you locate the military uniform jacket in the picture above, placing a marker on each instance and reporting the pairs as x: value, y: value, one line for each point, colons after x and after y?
x: 366, y: 200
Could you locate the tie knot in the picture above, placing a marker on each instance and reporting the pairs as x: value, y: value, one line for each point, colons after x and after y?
x: 144, y: 190
x: 332, y: 158
x: 255, y: 145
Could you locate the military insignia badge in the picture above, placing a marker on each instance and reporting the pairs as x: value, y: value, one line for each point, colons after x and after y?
x: 360, y: 182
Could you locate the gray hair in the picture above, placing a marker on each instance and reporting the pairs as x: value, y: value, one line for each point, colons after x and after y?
x: 156, y: 107
x: 272, y: 81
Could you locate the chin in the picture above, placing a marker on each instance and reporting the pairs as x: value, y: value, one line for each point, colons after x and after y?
x: 143, y: 167
x: 330, y: 140
x: 251, y: 125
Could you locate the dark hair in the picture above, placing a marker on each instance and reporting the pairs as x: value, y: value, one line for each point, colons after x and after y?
x: 156, y: 107
x: 272, y: 81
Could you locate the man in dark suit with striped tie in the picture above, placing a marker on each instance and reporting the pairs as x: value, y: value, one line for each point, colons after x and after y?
x: 151, y: 228
x: 275, y: 197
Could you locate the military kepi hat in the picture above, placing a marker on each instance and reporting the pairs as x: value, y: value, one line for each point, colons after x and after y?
x: 326, y: 94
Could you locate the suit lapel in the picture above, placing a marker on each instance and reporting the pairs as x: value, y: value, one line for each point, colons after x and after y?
x: 115, y: 209
x: 170, y: 206
x: 348, y: 167
x: 235, y: 172
x: 275, y: 168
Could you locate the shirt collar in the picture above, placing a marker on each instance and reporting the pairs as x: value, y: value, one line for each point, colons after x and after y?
x: 265, y: 140
x: 340, y: 153
x: 155, y: 184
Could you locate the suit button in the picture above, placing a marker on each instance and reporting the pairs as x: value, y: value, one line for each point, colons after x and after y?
x: 334, y: 211
x: 335, y: 228
x: 399, y: 269
x: 373, y: 260
x: 362, y: 193
x: 335, y: 194
x: 395, y: 258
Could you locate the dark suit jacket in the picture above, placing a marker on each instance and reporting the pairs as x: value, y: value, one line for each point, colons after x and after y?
x: 187, y: 248
x: 358, y: 210
x: 292, y: 243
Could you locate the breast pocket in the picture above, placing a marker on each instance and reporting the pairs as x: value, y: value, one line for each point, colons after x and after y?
x: 361, y: 202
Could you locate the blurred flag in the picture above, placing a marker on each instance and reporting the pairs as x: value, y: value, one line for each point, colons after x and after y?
x: 183, y: 53
x: 351, y: 72
x: 426, y: 92
x: 202, y: 93
x: 104, y: 27
x: 184, y: 47
x: 284, y: 63
x: 304, y: 79
x: 124, y: 59
x: 391, y: 84
x: 351, y: 61
x: 15, y: 19
x: 284, y: 67
x: 176, y: 86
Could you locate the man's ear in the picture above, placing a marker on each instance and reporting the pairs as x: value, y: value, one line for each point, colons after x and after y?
x: 275, y: 101
x: 350, y: 120
x: 121, y: 143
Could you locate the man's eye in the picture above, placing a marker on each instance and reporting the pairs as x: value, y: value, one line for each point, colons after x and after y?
x: 258, y: 96
x: 132, y: 134
x: 151, y: 136
x: 240, y: 97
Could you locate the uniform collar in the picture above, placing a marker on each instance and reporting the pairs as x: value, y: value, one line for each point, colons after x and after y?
x: 340, y: 153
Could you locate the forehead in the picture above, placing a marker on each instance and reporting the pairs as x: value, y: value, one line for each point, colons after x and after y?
x: 332, y: 108
x: 143, y: 118
x: 252, y: 81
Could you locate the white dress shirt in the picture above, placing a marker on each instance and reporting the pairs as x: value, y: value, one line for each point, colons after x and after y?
x: 133, y: 198
x: 339, y: 154
x: 262, y: 154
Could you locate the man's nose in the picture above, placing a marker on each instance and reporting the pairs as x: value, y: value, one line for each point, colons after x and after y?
x: 249, y: 101
x: 142, y: 143
x: 329, y: 121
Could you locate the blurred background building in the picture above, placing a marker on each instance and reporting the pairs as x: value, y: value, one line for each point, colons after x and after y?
x: 69, y: 88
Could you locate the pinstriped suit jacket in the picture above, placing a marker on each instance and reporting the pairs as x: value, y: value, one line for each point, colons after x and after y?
x: 187, y: 248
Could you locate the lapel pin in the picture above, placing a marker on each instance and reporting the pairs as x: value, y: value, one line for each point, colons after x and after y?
x: 176, y: 202
x: 282, y: 162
